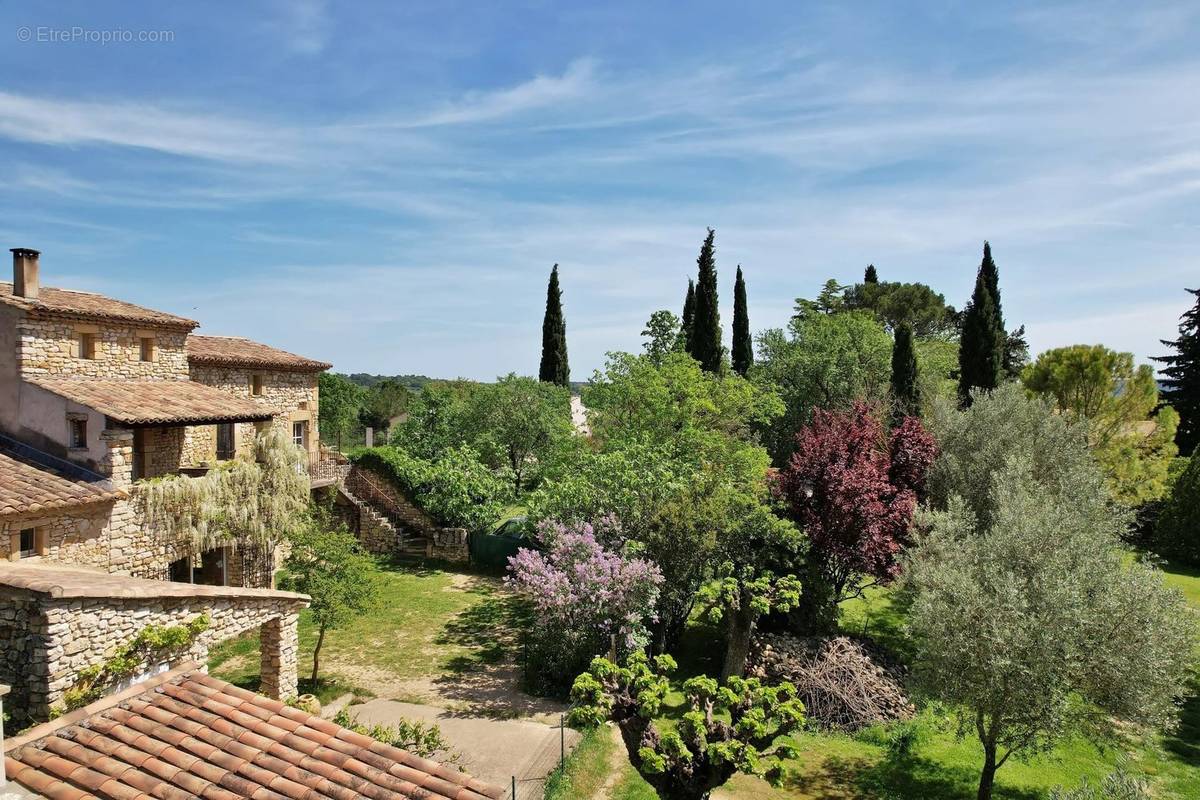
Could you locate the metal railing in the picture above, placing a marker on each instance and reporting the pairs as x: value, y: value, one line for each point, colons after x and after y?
x: 359, y: 486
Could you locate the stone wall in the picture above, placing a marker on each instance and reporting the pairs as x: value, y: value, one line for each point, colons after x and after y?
x: 53, y: 639
x: 162, y: 451
x: 78, y: 535
x: 449, y: 544
x: 290, y: 396
x: 50, y: 346
x: 415, y: 519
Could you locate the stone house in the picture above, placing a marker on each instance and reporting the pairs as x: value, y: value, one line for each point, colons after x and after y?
x: 100, y: 394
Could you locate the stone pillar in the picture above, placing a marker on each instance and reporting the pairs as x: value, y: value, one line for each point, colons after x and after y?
x: 280, y: 647
x: 3, y: 692
x: 117, y: 464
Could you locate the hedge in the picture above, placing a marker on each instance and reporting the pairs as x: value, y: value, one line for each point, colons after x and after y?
x: 456, y: 489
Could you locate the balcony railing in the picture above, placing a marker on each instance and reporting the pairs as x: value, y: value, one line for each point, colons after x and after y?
x: 327, y: 466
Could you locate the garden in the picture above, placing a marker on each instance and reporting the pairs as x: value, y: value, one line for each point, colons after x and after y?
x: 878, y: 553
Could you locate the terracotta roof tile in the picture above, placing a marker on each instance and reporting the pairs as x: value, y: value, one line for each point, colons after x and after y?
x: 185, y: 734
x: 149, y: 402
x: 241, y: 352
x: 26, y: 487
x: 91, y: 306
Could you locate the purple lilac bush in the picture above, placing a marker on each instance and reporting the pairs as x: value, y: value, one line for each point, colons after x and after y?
x: 580, y: 593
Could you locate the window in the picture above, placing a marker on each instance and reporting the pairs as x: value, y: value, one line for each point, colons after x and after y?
x: 256, y: 385
x: 87, y: 345
x: 139, y: 453
x: 225, y: 441
x: 28, y: 543
x: 146, y: 344
x: 79, y: 434
x: 299, y: 429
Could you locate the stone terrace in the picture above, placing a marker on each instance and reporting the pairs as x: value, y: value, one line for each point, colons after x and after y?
x: 56, y: 621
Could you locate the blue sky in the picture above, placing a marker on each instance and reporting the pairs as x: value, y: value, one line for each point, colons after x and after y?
x: 386, y: 186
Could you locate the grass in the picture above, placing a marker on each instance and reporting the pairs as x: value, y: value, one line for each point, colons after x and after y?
x: 941, y: 766
x: 428, y: 622
x: 586, y: 769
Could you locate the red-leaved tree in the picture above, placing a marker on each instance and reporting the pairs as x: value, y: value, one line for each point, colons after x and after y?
x: 852, y: 487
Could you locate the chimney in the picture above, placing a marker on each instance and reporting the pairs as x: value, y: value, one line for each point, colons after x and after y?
x: 25, y: 273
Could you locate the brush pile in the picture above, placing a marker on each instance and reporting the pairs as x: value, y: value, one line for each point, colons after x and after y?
x: 842, y: 686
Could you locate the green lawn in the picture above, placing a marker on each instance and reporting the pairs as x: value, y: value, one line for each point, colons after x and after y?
x: 429, y: 622
x: 944, y: 766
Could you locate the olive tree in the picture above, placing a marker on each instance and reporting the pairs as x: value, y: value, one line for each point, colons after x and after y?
x: 1035, y: 626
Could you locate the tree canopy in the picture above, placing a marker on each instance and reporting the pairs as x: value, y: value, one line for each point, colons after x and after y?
x: 1181, y: 384
x: 662, y: 334
x: 1035, y: 625
x: 341, y: 400
x: 913, y: 304
x: 822, y: 361
x: 1118, y: 400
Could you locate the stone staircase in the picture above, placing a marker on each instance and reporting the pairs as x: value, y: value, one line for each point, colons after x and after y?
x: 382, y: 529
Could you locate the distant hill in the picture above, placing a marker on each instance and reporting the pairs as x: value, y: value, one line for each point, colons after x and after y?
x: 414, y: 383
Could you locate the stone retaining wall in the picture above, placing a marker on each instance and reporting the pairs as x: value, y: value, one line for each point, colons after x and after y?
x: 46, y: 642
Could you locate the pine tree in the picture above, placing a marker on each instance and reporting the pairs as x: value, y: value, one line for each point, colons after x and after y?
x: 1181, y: 386
x: 981, y: 350
x: 554, y: 367
x: 706, y: 327
x: 871, y: 276
x: 743, y: 347
x: 687, y: 322
x: 904, y: 374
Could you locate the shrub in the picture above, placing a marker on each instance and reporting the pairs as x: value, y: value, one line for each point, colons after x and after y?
x: 422, y: 739
x: 456, y: 488
x: 1178, y: 530
x: 581, y: 594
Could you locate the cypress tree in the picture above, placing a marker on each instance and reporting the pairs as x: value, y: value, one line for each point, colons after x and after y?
x: 743, y: 347
x: 554, y: 367
x: 904, y: 373
x: 1181, y: 386
x: 687, y: 322
x: 871, y: 276
x: 991, y: 277
x: 706, y: 327
x: 980, y: 352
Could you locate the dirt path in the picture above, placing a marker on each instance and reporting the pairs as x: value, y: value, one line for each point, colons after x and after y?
x: 481, y: 690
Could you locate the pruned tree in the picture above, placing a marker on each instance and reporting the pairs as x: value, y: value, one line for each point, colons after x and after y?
x: 554, y: 367
x: 758, y: 551
x: 738, y: 726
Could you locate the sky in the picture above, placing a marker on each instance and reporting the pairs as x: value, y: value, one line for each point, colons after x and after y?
x: 386, y: 186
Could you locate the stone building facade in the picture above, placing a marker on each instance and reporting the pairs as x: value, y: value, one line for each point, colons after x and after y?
x: 129, y: 394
